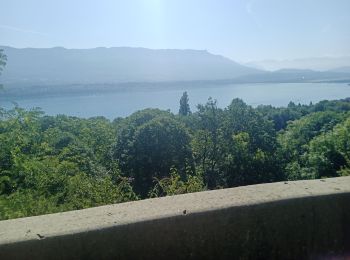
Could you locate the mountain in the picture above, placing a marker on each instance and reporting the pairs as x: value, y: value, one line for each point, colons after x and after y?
x: 295, y: 76
x: 58, y: 71
x: 56, y: 66
x: 342, y: 69
x: 318, y: 63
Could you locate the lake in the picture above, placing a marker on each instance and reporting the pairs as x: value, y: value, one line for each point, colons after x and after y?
x: 121, y: 104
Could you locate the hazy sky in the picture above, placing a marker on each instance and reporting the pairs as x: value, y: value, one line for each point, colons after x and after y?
x: 243, y: 30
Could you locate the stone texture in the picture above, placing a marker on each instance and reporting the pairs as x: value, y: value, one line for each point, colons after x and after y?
x: 289, y: 220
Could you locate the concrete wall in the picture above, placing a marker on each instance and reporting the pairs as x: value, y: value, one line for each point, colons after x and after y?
x: 286, y: 220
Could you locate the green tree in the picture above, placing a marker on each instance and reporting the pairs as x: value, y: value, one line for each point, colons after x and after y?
x: 294, y: 140
x: 149, y: 144
x: 206, y: 142
x: 184, y: 105
x: 56, y: 163
x: 249, y: 147
x: 3, y: 59
x: 174, y: 184
x: 282, y: 115
x: 50, y: 164
x: 328, y: 154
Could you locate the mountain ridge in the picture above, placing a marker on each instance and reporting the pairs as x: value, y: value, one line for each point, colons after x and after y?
x: 33, y: 72
x: 59, y: 65
x: 314, y: 63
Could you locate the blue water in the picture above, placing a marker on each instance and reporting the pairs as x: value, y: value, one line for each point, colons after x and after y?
x: 112, y: 105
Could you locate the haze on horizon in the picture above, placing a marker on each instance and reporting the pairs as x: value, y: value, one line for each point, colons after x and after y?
x: 243, y: 30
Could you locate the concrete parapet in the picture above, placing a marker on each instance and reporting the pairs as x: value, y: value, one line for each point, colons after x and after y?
x: 285, y: 220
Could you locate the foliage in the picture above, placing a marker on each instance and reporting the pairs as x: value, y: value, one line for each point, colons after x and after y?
x: 3, y: 59
x: 328, y: 154
x: 56, y: 163
x: 151, y: 147
x: 206, y: 141
x: 250, y: 145
x: 174, y: 185
x: 184, y: 106
x: 60, y: 162
x: 294, y: 142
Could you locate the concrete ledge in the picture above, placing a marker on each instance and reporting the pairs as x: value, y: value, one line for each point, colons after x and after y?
x: 287, y: 220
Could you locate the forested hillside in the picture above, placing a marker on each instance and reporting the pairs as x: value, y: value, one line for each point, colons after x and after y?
x: 58, y: 66
x: 57, y: 163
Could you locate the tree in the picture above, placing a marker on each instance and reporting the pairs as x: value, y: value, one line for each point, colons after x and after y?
x: 174, y: 184
x: 56, y: 163
x: 184, y: 106
x: 206, y: 142
x: 149, y: 145
x: 3, y: 59
x: 328, y: 154
x: 294, y: 141
x: 249, y: 146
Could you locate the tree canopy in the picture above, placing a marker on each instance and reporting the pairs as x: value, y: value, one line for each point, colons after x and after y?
x: 3, y: 59
x: 184, y: 105
x: 57, y: 163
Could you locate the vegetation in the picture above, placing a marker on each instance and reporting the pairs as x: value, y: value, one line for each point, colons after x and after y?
x: 184, y: 105
x: 3, y: 59
x: 57, y: 163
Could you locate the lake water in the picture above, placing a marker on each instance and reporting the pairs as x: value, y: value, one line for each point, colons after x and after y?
x: 112, y: 105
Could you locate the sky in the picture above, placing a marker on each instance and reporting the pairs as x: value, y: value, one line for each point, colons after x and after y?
x: 243, y: 30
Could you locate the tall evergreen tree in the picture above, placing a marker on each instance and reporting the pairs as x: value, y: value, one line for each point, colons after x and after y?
x: 3, y: 59
x: 184, y: 106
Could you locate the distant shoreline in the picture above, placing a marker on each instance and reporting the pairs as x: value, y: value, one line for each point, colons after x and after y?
x: 73, y: 90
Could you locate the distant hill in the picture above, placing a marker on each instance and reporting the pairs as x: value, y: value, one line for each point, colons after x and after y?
x: 316, y: 63
x: 295, y: 76
x: 342, y: 69
x: 55, y: 66
x: 59, y: 71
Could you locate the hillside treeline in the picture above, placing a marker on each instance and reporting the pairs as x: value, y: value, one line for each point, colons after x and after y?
x: 58, y: 163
